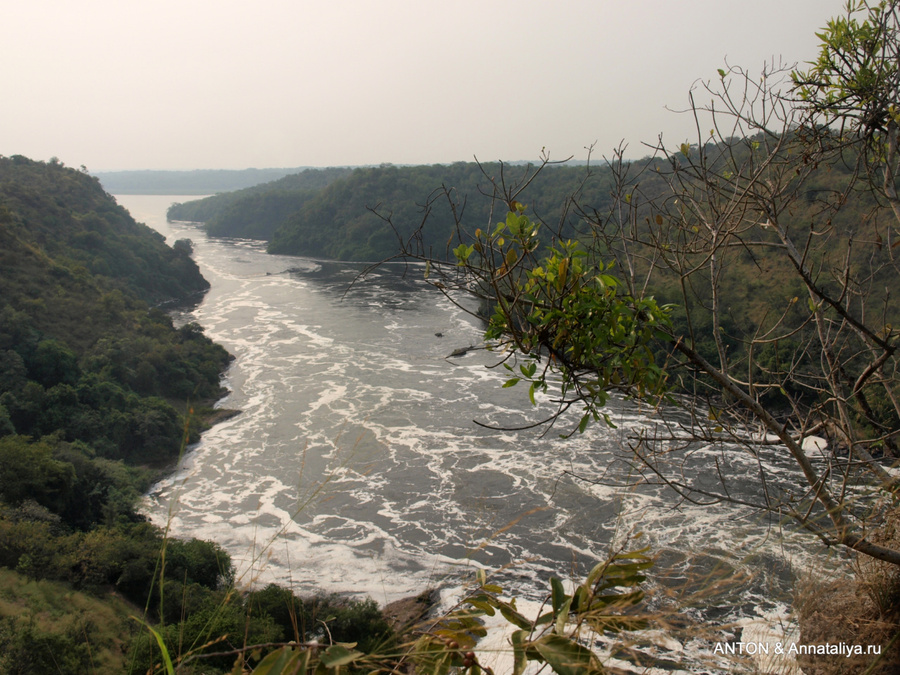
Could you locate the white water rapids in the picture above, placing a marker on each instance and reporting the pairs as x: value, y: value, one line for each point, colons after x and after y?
x: 356, y: 467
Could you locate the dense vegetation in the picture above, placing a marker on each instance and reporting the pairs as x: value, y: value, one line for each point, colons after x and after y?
x: 346, y: 220
x: 95, y: 389
x: 342, y: 215
x: 255, y: 212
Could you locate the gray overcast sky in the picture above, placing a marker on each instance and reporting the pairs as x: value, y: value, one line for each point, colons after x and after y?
x: 188, y: 84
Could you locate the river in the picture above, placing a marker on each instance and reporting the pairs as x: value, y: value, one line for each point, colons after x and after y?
x: 356, y: 465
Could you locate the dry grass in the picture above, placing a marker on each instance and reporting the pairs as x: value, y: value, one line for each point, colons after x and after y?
x: 842, y: 612
x: 55, y: 609
x: 864, y: 610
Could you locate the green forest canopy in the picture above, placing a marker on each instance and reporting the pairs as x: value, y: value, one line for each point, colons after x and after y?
x: 338, y: 213
x: 95, y: 383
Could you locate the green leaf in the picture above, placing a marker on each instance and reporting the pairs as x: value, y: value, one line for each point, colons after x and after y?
x: 582, y: 425
x: 338, y: 655
x: 557, y: 594
x: 462, y: 253
x: 567, y: 657
x: 511, y: 382
x: 595, y: 573
x: 562, y: 617
x: 430, y: 657
x: 167, y: 660
x: 579, y: 599
x: 513, y: 223
x: 513, y: 616
x: 544, y: 619
x: 482, y: 604
x: 520, y: 660
x: 284, y: 660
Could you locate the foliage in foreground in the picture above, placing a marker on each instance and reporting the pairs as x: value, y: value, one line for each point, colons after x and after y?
x: 352, y: 637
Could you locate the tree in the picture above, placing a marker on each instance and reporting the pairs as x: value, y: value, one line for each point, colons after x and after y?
x: 854, y: 86
x: 184, y: 247
x: 28, y: 471
x: 773, y: 238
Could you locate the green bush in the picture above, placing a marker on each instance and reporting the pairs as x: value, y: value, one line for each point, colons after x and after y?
x: 26, y: 649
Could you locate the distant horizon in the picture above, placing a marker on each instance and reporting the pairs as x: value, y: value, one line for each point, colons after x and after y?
x: 205, y: 182
x: 337, y: 166
x: 226, y: 85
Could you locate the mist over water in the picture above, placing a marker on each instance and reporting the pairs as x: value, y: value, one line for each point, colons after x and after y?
x: 356, y: 467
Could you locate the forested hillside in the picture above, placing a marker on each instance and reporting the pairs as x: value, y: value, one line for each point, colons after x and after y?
x: 345, y: 220
x: 255, y: 212
x: 93, y: 387
x: 86, y: 364
x: 368, y: 213
x: 96, y: 392
x: 65, y: 217
x: 337, y: 213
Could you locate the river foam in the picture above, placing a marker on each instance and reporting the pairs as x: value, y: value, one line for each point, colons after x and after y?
x: 356, y: 466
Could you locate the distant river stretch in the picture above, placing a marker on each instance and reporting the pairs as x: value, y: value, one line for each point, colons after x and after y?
x: 356, y: 466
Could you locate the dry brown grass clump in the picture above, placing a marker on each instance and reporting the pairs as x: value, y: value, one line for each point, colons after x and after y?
x: 863, y: 610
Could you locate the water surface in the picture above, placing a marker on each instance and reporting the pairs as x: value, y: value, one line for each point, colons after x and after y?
x: 356, y: 465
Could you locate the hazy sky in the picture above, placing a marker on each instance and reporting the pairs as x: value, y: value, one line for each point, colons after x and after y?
x: 198, y: 84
